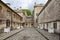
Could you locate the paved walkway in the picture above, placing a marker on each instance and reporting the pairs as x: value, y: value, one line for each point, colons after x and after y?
x: 5, y: 35
x: 49, y: 35
x: 27, y: 34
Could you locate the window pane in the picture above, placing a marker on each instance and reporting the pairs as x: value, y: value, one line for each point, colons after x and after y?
x: 9, y: 13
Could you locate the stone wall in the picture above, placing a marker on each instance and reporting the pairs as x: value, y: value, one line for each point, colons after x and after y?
x: 7, y: 16
x: 51, y: 12
x: 51, y: 15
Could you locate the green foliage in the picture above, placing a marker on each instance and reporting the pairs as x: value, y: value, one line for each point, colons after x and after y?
x: 27, y: 11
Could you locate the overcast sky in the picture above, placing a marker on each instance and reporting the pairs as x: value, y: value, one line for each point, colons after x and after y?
x: 24, y: 3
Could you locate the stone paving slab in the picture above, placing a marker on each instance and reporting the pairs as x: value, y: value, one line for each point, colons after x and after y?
x: 49, y: 35
x: 27, y: 34
x: 5, y: 35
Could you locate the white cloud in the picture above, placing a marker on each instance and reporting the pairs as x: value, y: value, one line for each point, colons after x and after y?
x: 24, y: 3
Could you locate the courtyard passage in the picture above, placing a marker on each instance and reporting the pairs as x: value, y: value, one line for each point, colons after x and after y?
x: 27, y: 34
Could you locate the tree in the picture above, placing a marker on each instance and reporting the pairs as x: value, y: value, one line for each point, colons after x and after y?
x: 27, y: 11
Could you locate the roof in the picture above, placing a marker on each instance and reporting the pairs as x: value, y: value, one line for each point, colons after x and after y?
x: 38, y: 5
x: 45, y: 6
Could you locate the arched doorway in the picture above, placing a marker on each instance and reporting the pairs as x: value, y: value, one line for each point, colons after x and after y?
x: 7, y: 23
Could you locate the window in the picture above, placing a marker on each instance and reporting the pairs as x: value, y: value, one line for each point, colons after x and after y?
x: 55, y: 25
x: 9, y: 13
x: 0, y: 9
x: 26, y: 24
x: 0, y: 21
x: 14, y: 15
x: 7, y: 23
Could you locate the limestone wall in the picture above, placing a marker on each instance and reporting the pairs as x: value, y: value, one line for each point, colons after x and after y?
x: 51, y: 12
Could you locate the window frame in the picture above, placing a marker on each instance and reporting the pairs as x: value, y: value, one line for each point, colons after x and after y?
x: 8, y: 13
x: 0, y: 9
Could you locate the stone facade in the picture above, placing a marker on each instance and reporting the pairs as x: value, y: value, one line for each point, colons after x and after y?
x: 23, y: 17
x: 50, y: 16
x: 29, y: 21
x: 26, y: 21
x: 37, y: 9
x: 8, y: 18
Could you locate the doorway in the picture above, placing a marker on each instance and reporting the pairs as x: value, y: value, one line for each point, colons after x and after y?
x: 7, y: 28
x: 55, y: 27
x: 7, y: 23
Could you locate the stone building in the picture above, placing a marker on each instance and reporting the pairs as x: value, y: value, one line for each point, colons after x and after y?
x: 26, y: 21
x: 37, y: 9
x: 23, y: 17
x: 49, y: 16
x: 9, y: 19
